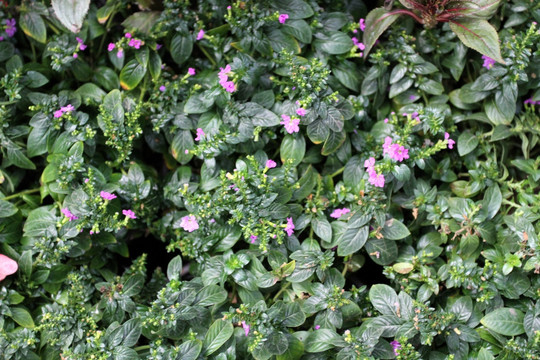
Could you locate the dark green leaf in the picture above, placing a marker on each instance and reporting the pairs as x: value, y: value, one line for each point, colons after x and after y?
x: 33, y: 26
x: 377, y: 21
x: 131, y: 75
x: 217, y: 335
x: 505, y: 321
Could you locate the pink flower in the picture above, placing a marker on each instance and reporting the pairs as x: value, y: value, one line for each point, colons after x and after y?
x: 317, y: 327
x: 158, y: 46
x: 162, y: 88
x: 7, y: 266
x: 488, y: 62
x: 450, y: 141
x: 68, y: 214
x: 200, y: 35
x: 361, y: 46
x: 369, y: 164
x: 362, y: 24
x: 189, y: 223
x: 253, y: 238
x: 283, y: 18
x: 291, y: 125
x: 337, y: 213
x: 128, y: 35
x: 75, y: 55
x: 107, y: 196
x: 191, y: 71
x: 395, y: 151
x: 386, y: 121
x: 270, y: 164
x: 301, y: 111
x: 86, y: 180
x: 130, y: 214
x: 136, y: 43
x: 289, y: 229
x: 246, y: 328
x: 387, y: 145
x: 111, y: 46
x: 200, y: 134
x: 58, y: 113
x: 229, y: 86
x: 376, y: 179
x: 68, y: 108
x: 120, y: 53
x: 10, y: 27
x: 396, y: 346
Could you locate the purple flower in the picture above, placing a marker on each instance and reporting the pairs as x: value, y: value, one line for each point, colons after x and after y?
x: 270, y: 164
x: 111, y: 46
x: 158, y: 46
x: 136, y: 43
x: 291, y: 125
x: 301, y: 111
x: 289, y: 229
x: 283, y: 18
x: 395, y: 151
x: 130, y: 214
x: 75, y: 55
x: 191, y: 71
x: 189, y: 223
x: 10, y: 27
x: 58, y: 113
x: 450, y: 141
x: 362, y: 24
x: 68, y: 108
x: 317, y: 327
x: 386, y: 121
x: 246, y: 328
x: 162, y: 88
x: 253, y: 238
x: 337, y: 213
x: 128, y: 35
x: 86, y: 180
x: 68, y: 214
x: 369, y: 164
x: 120, y: 53
x: 376, y: 179
x: 107, y: 195
x: 200, y: 35
x: 488, y: 62
x: 200, y: 134
x: 396, y: 346
x: 229, y: 86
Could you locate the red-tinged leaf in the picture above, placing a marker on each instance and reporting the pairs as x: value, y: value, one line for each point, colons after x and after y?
x: 477, y: 9
x: 377, y: 21
x: 480, y: 36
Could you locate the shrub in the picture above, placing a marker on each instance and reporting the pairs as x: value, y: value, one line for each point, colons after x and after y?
x: 189, y: 180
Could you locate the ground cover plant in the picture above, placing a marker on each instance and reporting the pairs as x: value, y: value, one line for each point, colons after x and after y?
x: 290, y: 179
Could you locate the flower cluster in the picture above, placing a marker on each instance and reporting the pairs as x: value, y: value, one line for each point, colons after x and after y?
x: 189, y: 223
x: 282, y: 18
x: 375, y: 178
x: 530, y: 101
x: 289, y: 228
x: 129, y: 40
x: 200, y: 134
x: 337, y: 213
x: 229, y: 86
x: 68, y: 214
x: 80, y: 46
x: 395, y: 151
x: 291, y: 124
x: 10, y: 28
x: 450, y: 141
x: 64, y: 109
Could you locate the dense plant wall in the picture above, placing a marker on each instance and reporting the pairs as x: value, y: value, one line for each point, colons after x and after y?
x: 290, y: 179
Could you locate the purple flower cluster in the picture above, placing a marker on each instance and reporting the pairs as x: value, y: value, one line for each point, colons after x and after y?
x: 191, y: 71
x: 397, y: 152
x: 337, y: 213
x: 289, y: 229
x: 229, y: 86
x: 358, y: 44
x: 246, y: 328
x: 107, y: 195
x: 450, y: 141
x: 362, y: 24
x: 291, y: 124
x: 375, y: 179
x: 395, y: 346
x: 63, y: 109
x: 488, y: 62
x: 531, y: 102
x: 68, y: 214
x: 130, y: 214
x: 10, y: 27
x: 200, y: 134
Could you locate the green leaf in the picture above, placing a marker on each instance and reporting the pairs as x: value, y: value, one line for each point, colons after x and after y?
x: 322, y: 228
x: 321, y: 340
x: 292, y: 149
x: 400, y: 87
x: 7, y: 209
x: 17, y: 157
x: 33, y: 26
x: 40, y: 222
x: 132, y: 74
x: 294, y: 351
x: 125, y: 353
x: 22, y: 317
x: 259, y: 115
x: 500, y: 132
x: 352, y: 240
x: 382, y: 251
x: 505, y: 321
x: 71, y: 13
x: 217, y: 335
x: 485, y: 354
x: 280, y: 40
x: 132, y: 332
x: 181, y: 48
x: 466, y: 143
x: 384, y: 299
x: 492, y: 200
x: 174, y: 269
x: 317, y: 131
x: 293, y: 316
x: 210, y: 295
x: 182, y: 141
x: 34, y: 79
x: 334, y: 142
x: 296, y: 9
x: 394, y: 230
x: 189, y: 350
x: 141, y: 21
x: 333, y: 42
x: 299, y: 29
x: 377, y: 21
x: 91, y: 93
x: 25, y: 263
x: 199, y: 103
x: 478, y: 35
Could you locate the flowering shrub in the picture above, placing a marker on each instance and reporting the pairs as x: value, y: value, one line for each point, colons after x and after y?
x: 269, y: 179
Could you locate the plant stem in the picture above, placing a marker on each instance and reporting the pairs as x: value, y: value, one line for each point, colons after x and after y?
x: 281, y: 291
x: 339, y: 171
x: 207, y: 55
x: 142, y: 347
x: 13, y: 196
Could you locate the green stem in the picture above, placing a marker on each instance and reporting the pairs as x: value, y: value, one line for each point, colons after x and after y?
x: 339, y: 171
x: 207, y: 55
x: 107, y: 26
x: 7, y: 102
x: 13, y: 196
x: 142, y: 347
x: 34, y: 56
x: 143, y: 88
x: 285, y: 287
x: 347, y: 258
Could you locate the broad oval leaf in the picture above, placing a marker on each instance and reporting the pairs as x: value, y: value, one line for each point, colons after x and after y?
x: 480, y: 36
x: 71, y: 13
x: 505, y: 321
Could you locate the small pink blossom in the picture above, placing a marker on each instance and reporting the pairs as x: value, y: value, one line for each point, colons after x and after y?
x: 135, y: 43
x: 107, y: 195
x: 120, y: 53
x: 488, y: 62
x: 191, y: 71
x: 68, y: 214
x: 283, y: 18
x: 86, y: 180
x: 270, y: 164
x: 158, y: 46
x: 58, y: 113
x: 253, y: 238
x: 289, y: 229
x: 68, y: 108
x: 8, y: 266
x: 396, y: 346
x: 376, y: 179
x: 386, y: 121
x: 130, y: 214
x: 291, y: 125
x: 229, y: 86
x: 75, y: 55
x: 189, y: 223
x: 337, y: 213
x: 369, y: 164
x: 450, y: 141
x: 10, y: 27
x: 362, y: 24
x: 301, y: 111
x: 111, y: 46
x: 317, y: 327
x: 200, y: 134
x: 245, y: 327
x: 200, y: 35
x: 162, y: 88
x: 128, y: 35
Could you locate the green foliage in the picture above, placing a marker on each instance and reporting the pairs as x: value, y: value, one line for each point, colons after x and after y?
x: 192, y: 180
